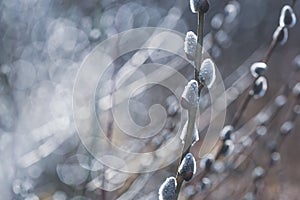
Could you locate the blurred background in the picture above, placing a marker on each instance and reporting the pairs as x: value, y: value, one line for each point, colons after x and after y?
x: 44, y: 42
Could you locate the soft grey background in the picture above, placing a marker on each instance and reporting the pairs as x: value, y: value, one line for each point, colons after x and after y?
x: 43, y: 43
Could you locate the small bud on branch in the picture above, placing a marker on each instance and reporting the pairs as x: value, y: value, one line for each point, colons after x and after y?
x: 287, y: 17
x: 167, y: 189
x: 199, y: 6
x: 187, y: 167
x: 207, y: 74
x: 190, y: 45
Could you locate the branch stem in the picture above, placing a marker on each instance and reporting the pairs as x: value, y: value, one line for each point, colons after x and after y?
x: 200, y: 34
x: 241, y: 110
x: 187, y: 144
x: 192, y: 113
x: 269, y: 51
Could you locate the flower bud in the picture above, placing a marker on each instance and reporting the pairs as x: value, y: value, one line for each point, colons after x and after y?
x: 286, y: 127
x: 258, y: 69
x: 258, y: 173
x: 287, y: 17
x: 246, y: 141
x: 275, y: 158
x: 296, y: 90
x: 189, y: 98
x: 280, y: 100
x: 281, y: 35
x: 296, y: 109
x: 226, y: 133
x: 217, y: 21
x: 199, y: 6
x: 190, y: 45
x: 207, y: 74
x: 187, y: 167
x: 167, y: 190
x: 219, y: 166
x: 259, y: 88
x: 227, y: 148
x: 296, y: 63
x: 207, y: 161
x: 261, y: 131
x: 205, y: 184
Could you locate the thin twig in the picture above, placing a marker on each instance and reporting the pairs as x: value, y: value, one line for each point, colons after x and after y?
x: 200, y: 34
x: 192, y: 114
x: 187, y: 144
x: 282, y: 91
x: 270, y: 50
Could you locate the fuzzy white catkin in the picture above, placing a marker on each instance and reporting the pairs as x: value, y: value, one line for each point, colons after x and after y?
x: 194, y: 4
x: 187, y: 167
x: 207, y: 74
x: 207, y: 161
x: 296, y: 109
x: 219, y: 166
x: 167, y: 190
x: 258, y: 68
x: 260, y: 87
x: 275, y: 157
x: 281, y: 34
x: 296, y: 62
x: 246, y: 141
x: 190, y: 45
x: 226, y: 133
x: 261, y: 130
x: 205, y: 183
x: 199, y: 6
x: 286, y: 127
x: 258, y: 172
x: 287, y: 17
x: 280, y: 100
x: 296, y: 89
x: 227, y: 148
x: 189, y: 97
